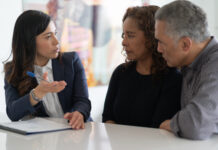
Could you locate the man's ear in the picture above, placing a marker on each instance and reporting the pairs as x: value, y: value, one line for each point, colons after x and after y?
x: 186, y: 43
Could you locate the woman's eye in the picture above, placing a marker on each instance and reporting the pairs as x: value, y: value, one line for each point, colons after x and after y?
x: 128, y: 36
x: 131, y: 36
x: 48, y: 37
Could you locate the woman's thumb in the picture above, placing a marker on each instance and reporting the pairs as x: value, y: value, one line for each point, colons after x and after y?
x: 45, y: 76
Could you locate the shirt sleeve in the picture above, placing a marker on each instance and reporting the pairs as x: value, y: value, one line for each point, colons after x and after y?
x: 110, y: 96
x: 198, y: 119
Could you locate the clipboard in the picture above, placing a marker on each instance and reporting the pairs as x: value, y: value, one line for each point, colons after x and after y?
x: 36, y: 125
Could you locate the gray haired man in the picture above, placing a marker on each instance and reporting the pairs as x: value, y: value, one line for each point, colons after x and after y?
x: 183, y: 39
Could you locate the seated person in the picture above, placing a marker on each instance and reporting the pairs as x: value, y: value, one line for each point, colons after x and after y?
x: 143, y: 91
x: 185, y: 42
x: 63, y: 90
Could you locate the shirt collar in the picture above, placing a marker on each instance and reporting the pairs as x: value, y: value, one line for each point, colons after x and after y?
x: 48, y: 65
x: 40, y: 69
x: 202, y: 54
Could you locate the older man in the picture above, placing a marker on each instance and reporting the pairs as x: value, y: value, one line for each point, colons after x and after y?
x: 183, y: 39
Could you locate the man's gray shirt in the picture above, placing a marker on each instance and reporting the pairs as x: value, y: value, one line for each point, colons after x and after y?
x: 198, y: 118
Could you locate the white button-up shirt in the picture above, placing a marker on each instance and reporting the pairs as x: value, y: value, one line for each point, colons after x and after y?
x: 50, y: 100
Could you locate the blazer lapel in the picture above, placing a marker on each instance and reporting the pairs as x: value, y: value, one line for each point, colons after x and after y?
x: 58, y: 74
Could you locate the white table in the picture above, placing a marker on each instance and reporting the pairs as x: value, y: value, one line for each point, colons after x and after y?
x: 99, y: 136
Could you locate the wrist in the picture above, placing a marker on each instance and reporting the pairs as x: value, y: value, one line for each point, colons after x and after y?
x: 34, y: 97
x: 38, y: 93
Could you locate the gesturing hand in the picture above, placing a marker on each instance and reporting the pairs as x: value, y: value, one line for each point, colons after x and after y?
x: 76, y: 120
x: 49, y: 87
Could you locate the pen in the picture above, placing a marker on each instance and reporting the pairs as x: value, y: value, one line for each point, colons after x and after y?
x: 31, y: 74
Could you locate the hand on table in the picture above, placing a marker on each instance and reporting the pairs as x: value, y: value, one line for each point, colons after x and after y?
x: 76, y: 120
x: 165, y: 125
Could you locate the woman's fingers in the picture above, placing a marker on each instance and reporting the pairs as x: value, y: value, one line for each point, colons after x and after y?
x: 53, y: 87
x: 45, y: 76
x: 76, y: 120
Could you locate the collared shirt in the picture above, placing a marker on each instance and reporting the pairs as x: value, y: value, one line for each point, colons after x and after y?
x: 50, y: 100
x: 198, y: 118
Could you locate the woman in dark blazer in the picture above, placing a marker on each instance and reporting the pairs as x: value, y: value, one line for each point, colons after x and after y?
x: 63, y: 90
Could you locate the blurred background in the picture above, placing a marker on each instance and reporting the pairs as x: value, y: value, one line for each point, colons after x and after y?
x: 90, y: 27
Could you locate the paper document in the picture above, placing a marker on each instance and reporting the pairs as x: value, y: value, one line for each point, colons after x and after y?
x: 36, y: 125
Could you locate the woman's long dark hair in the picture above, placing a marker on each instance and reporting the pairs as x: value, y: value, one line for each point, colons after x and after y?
x: 28, y: 25
x: 144, y: 17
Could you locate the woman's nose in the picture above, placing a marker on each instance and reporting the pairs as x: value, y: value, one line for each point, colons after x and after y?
x: 56, y: 42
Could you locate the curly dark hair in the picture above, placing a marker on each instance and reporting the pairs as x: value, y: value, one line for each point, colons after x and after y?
x: 28, y: 25
x: 144, y: 17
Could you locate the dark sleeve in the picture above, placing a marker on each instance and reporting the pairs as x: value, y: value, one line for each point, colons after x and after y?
x: 169, y: 102
x: 111, y: 95
x: 80, y: 89
x: 17, y: 107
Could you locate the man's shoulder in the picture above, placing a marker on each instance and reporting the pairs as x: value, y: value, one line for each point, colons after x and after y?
x: 212, y: 50
x: 209, y: 60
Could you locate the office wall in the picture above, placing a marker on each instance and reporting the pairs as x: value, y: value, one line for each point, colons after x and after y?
x: 9, y: 10
x: 216, y: 18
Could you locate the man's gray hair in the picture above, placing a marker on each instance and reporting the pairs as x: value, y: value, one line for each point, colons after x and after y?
x: 184, y: 19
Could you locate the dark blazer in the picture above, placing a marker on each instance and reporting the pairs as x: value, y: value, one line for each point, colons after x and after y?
x: 73, y: 98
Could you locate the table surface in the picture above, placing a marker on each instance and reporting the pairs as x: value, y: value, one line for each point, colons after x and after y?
x: 100, y: 136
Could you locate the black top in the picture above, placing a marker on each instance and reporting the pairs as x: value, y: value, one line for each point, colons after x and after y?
x: 140, y: 100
